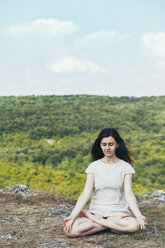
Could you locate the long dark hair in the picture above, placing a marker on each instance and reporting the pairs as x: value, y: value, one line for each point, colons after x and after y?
x: 122, y: 151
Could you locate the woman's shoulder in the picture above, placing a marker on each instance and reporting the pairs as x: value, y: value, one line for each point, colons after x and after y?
x: 94, y: 163
x: 92, y: 166
x: 127, y: 167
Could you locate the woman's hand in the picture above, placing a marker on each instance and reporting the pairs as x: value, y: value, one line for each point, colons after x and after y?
x: 67, y: 223
x: 141, y: 221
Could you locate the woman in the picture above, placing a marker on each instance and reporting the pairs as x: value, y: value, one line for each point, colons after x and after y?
x: 109, y: 177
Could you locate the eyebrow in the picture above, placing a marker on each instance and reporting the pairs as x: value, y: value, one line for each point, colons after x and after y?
x: 108, y: 143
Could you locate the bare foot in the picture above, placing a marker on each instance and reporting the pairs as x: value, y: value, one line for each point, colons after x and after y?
x: 85, y: 213
x: 123, y: 215
x: 118, y: 217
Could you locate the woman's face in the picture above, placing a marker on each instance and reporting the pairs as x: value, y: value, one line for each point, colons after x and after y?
x: 108, y: 146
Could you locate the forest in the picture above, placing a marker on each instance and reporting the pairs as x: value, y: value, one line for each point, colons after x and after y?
x: 45, y: 141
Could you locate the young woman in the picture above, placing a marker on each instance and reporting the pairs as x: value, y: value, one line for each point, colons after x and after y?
x: 109, y: 177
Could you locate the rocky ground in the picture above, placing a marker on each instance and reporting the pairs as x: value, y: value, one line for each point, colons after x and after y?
x: 31, y: 219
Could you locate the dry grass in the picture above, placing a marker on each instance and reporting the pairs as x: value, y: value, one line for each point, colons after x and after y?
x: 25, y: 218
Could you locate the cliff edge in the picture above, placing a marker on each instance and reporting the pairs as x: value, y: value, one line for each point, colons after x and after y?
x: 31, y: 219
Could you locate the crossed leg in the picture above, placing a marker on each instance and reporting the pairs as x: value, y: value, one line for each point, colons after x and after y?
x: 87, y: 224
x: 121, y: 223
x: 84, y: 226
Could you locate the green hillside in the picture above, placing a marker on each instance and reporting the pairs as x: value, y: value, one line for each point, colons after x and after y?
x: 45, y: 140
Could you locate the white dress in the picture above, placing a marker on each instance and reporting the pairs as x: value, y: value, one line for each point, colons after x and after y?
x: 108, y: 198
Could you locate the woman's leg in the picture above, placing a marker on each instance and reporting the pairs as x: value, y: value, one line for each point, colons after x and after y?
x: 127, y: 224
x: 83, y: 226
x: 123, y: 223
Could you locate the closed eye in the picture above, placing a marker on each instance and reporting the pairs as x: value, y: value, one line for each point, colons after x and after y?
x: 110, y: 144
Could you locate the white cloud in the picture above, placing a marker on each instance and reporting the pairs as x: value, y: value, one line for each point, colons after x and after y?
x: 47, y: 26
x: 101, y: 37
x: 72, y: 64
x: 153, y: 46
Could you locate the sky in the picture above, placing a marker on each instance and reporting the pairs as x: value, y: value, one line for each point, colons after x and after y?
x: 96, y: 47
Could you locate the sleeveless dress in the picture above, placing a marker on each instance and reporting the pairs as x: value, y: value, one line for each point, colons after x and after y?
x: 108, y: 198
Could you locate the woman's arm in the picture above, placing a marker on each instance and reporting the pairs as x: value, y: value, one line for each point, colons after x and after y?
x: 85, y: 195
x: 81, y: 202
x: 132, y: 202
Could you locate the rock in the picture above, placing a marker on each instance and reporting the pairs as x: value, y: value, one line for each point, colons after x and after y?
x: 9, y: 235
x: 60, y: 210
x: 149, y: 198
x: 54, y: 245
x: 17, y: 188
